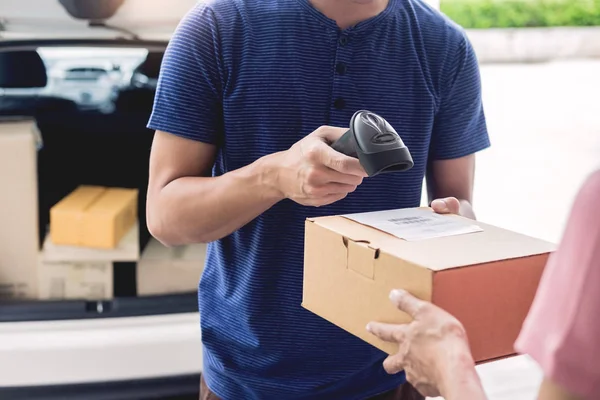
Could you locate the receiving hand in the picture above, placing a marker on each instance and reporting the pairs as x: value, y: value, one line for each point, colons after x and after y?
x: 431, y: 347
x: 311, y: 173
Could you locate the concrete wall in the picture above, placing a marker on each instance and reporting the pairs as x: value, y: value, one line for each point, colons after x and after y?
x: 535, y: 44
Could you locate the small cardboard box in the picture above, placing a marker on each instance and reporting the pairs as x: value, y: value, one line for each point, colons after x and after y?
x: 19, y: 238
x: 72, y: 272
x: 93, y: 216
x: 76, y: 280
x: 483, y: 275
x: 164, y: 270
x: 128, y: 250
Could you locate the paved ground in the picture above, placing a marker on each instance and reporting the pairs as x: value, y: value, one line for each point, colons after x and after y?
x: 544, y: 122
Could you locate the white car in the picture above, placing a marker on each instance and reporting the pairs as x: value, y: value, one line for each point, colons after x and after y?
x: 131, y: 347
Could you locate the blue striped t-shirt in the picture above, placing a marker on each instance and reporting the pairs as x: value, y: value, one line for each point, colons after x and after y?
x: 255, y: 76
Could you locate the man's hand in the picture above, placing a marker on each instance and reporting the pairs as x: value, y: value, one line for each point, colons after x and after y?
x: 311, y: 173
x: 433, y: 348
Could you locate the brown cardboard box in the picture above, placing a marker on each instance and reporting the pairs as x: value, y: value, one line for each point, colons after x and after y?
x: 90, y: 280
x: 72, y: 272
x: 164, y: 270
x: 93, y: 216
x: 127, y: 250
x: 483, y: 275
x: 19, y: 240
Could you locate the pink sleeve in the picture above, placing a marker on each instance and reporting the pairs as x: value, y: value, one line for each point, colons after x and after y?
x: 562, y: 330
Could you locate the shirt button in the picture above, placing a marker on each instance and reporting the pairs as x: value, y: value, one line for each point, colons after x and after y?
x: 343, y: 40
x: 340, y: 68
x: 339, y: 103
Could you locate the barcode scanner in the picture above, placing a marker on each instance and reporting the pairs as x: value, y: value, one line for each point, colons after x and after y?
x: 375, y: 143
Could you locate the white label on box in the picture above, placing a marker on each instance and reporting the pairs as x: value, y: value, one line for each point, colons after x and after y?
x: 415, y: 224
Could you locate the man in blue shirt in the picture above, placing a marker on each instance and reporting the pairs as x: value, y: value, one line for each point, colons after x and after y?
x: 250, y: 96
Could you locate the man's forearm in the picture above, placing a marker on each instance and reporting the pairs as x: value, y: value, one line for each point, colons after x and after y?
x: 204, y: 209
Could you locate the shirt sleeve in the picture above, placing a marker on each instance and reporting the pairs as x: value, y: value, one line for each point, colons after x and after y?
x: 562, y: 329
x: 188, y: 99
x: 460, y: 125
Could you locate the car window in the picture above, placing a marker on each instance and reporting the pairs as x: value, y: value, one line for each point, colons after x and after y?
x: 90, y: 77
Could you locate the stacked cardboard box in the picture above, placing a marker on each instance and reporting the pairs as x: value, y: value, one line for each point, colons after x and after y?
x: 164, y: 270
x: 90, y: 229
x: 19, y: 140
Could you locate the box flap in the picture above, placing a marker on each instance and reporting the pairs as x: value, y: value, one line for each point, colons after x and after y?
x: 492, y: 244
x: 361, y: 258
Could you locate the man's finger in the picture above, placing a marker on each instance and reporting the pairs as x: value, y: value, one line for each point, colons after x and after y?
x: 448, y: 205
x: 335, y: 188
x: 392, y: 333
x: 393, y: 364
x: 333, y: 176
x: 325, y: 155
x: 407, y: 302
x: 330, y: 134
x: 342, y: 163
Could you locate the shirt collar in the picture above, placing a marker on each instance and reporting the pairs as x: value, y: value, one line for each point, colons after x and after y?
x: 361, y: 26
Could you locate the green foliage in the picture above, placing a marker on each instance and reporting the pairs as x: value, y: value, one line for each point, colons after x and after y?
x: 482, y: 14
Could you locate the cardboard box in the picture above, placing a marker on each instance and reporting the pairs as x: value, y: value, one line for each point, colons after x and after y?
x: 164, y: 270
x: 94, y: 216
x: 72, y: 272
x: 91, y: 280
x: 484, y: 275
x: 127, y: 250
x: 19, y: 238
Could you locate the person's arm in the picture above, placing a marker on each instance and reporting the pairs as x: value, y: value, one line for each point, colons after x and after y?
x: 433, y: 350
x: 562, y: 330
x: 459, y: 132
x: 185, y: 203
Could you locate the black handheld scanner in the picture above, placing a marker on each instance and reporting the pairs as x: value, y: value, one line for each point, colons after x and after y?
x: 375, y: 143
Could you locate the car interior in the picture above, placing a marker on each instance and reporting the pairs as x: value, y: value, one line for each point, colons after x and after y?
x: 108, y: 149
x: 83, y: 145
x: 78, y: 78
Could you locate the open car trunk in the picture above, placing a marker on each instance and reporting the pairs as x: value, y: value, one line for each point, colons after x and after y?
x: 128, y: 346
